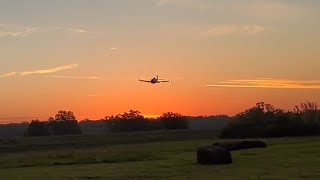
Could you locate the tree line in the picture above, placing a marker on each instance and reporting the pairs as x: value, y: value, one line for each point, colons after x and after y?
x: 65, y: 123
x: 99, y: 126
x: 264, y: 120
x: 133, y: 121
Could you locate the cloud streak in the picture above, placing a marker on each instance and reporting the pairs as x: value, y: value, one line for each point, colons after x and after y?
x: 49, y: 71
x: 77, y: 30
x: 268, y: 83
x: 41, y: 71
x: 8, y: 74
x: 20, y: 31
x: 73, y: 30
x: 214, y: 31
x: 229, y: 30
x: 16, y: 31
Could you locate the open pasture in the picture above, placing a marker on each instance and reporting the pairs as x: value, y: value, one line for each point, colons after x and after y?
x: 153, y: 155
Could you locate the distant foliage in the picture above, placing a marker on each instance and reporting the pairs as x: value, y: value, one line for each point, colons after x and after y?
x: 100, y: 126
x: 173, y: 121
x: 133, y: 121
x: 309, y: 112
x: 14, y: 129
x: 216, y: 122
x: 264, y: 120
x: 64, y: 123
x: 64, y: 116
x: 127, y: 122
x: 93, y: 126
x: 38, y: 128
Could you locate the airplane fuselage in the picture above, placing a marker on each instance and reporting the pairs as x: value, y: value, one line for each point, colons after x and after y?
x: 154, y: 80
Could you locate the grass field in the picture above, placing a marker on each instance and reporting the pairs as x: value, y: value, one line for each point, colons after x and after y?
x: 153, y: 155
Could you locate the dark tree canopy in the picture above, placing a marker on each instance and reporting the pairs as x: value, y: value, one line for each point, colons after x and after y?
x: 64, y: 123
x: 309, y: 112
x: 64, y: 116
x: 37, y: 128
x: 264, y: 120
x: 127, y: 122
x: 173, y: 121
x: 134, y: 121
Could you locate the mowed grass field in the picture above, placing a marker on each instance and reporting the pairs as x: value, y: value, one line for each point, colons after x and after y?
x: 153, y: 155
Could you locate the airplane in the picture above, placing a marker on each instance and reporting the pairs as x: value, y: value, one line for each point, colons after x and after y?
x: 155, y: 80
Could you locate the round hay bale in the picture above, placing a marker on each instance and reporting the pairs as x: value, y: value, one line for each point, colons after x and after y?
x: 213, y: 155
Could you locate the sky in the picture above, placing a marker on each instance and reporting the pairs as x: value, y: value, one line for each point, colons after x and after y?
x: 222, y: 56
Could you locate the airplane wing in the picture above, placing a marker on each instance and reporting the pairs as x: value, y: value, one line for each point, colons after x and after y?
x: 164, y: 81
x: 144, y: 81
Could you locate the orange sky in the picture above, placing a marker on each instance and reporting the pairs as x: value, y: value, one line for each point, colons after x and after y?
x: 223, y: 57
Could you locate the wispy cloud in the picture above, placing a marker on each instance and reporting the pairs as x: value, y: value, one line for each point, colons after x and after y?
x: 49, y: 71
x: 268, y: 83
x: 113, y: 51
x: 68, y: 29
x: 21, y: 31
x: 217, y: 31
x: 77, y: 30
x: 41, y: 71
x: 14, y: 31
x: 229, y: 30
x: 78, y: 77
x: 8, y: 74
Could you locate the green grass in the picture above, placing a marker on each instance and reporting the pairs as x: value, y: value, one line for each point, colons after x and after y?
x: 153, y: 155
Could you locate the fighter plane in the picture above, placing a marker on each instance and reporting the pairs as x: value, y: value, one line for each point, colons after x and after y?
x: 155, y: 80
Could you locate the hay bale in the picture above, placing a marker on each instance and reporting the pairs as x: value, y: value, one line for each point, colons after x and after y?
x: 238, y: 145
x: 213, y: 155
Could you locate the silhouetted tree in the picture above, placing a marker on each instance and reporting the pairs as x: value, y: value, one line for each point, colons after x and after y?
x: 173, y: 121
x: 64, y: 122
x: 309, y: 112
x: 264, y: 120
x: 64, y: 116
x: 37, y: 128
x: 127, y: 122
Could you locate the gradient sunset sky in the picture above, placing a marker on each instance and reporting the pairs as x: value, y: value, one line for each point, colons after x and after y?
x: 222, y: 56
